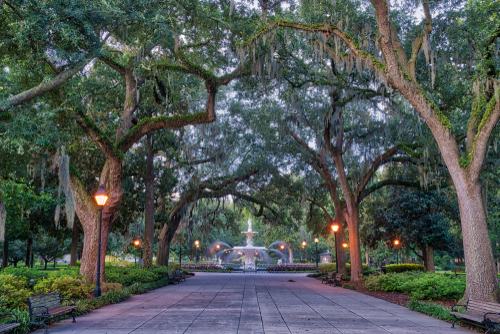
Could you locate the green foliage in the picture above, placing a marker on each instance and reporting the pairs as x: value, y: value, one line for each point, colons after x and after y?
x: 13, y: 291
x: 418, y: 285
x: 131, y: 275
x: 330, y: 267
x: 399, y: 268
x: 436, y: 310
x: 68, y: 287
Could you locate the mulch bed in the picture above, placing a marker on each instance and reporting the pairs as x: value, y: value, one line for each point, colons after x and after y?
x: 393, y: 297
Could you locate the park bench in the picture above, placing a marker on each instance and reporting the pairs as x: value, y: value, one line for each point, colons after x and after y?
x: 181, y: 275
x: 11, y: 325
x: 47, y: 306
x: 337, y: 281
x: 479, y: 313
x: 172, y: 278
x: 328, y: 278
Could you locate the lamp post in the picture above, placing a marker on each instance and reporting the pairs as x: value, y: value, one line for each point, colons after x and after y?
x: 316, y: 240
x: 335, y: 228
x: 197, y: 243
x: 396, y: 243
x: 100, y: 197
x: 216, y: 252
x: 304, y: 251
x: 282, y: 247
x: 137, y: 243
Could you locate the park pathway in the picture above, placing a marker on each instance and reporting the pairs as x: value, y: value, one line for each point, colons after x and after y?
x: 253, y: 303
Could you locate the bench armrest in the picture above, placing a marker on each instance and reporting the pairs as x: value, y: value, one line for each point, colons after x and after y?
x: 456, y: 305
x: 70, y: 299
x: 12, y: 314
x: 495, y: 313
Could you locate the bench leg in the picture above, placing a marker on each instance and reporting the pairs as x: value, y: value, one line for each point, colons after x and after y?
x: 46, y: 329
x: 453, y: 323
x: 73, y: 315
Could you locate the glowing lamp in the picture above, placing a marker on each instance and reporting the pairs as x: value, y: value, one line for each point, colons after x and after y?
x: 396, y: 242
x: 344, y: 245
x: 303, y: 243
x: 218, y: 246
x: 282, y: 247
x: 137, y: 243
x: 101, y: 196
x: 316, y: 240
x: 335, y: 227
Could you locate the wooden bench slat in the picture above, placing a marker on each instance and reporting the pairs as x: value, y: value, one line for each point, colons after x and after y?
x: 61, y: 310
x: 468, y: 316
x: 6, y: 327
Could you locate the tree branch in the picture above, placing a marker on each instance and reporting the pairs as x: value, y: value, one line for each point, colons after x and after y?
x: 43, y: 87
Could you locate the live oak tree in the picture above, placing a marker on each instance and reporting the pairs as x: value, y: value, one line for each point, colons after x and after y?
x: 379, y: 44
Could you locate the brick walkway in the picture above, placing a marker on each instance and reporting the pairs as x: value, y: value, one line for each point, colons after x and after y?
x: 253, y: 303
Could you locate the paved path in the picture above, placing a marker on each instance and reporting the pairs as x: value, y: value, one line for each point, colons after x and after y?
x: 253, y: 303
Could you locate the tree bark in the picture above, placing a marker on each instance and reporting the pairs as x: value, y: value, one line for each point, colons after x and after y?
x: 149, y: 229
x: 290, y: 254
x: 387, y: 261
x: 5, y: 258
x: 75, y: 237
x: 339, y: 239
x: 367, y: 256
x: 430, y: 258
x: 482, y: 280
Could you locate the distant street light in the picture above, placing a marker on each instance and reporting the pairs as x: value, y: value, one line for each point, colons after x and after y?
x: 344, y: 245
x: 396, y: 243
x: 100, y: 197
x: 316, y: 240
x: 197, y: 243
x: 335, y: 228
x: 304, y: 250
x: 137, y: 244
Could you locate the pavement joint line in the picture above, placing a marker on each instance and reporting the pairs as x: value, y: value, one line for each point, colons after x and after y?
x: 177, y: 287
x: 314, y: 292
x: 215, y: 279
x: 277, y: 308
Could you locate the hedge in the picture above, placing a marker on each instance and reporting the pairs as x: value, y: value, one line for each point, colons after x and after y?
x: 399, y: 268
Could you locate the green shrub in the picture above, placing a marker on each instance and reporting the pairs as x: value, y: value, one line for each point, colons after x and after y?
x: 174, y: 266
x: 399, y: 268
x: 435, y: 310
x: 330, y: 267
x: 130, y: 275
x: 419, y: 285
x: 13, y: 291
x: 68, y: 287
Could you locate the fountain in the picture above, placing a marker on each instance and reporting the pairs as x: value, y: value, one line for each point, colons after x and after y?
x: 249, y: 250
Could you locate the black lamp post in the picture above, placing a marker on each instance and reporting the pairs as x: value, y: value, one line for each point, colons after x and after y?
x: 217, y: 252
x: 137, y: 243
x: 335, y: 228
x: 316, y: 240
x: 197, y: 243
x: 396, y: 243
x: 100, y: 197
x: 304, y: 251
x: 180, y: 255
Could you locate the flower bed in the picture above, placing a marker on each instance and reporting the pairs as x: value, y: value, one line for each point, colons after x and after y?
x: 208, y: 267
x: 291, y: 267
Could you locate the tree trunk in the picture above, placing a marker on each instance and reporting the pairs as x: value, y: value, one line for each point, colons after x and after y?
x: 5, y: 258
x: 430, y: 258
x: 29, y: 250
x: 387, y: 261
x: 89, y: 257
x: 354, y: 244
x: 339, y: 239
x: 149, y: 229
x: 166, y: 236
x: 482, y: 280
x: 367, y: 256
x: 75, y: 238
x: 290, y: 254
x: 45, y: 262
x: 54, y: 262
